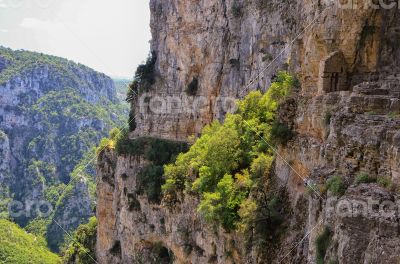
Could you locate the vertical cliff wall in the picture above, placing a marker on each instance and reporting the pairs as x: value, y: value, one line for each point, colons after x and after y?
x: 346, y: 123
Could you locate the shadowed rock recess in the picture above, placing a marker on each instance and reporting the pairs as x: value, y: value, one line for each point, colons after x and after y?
x: 342, y: 158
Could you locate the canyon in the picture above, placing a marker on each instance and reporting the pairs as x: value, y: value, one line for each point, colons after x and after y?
x: 53, y: 112
x: 345, y: 118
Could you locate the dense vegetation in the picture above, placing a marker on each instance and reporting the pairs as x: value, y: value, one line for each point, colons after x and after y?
x: 228, y: 164
x: 59, y: 114
x: 158, y: 151
x: 322, y: 244
x: 336, y: 185
x: 17, y: 246
x: 145, y: 77
x: 364, y: 178
x: 382, y: 181
x: 81, y: 250
x: 60, y: 120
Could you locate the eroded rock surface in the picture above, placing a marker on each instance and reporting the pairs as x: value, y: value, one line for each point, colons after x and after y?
x: 346, y: 123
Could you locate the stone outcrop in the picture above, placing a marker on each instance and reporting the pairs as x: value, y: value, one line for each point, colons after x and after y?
x: 346, y: 123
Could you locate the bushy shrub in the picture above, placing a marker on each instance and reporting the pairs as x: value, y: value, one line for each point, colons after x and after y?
x: 364, y: 178
x: 336, y: 185
x: 158, y: 151
x: 38, y: 227
x: 261, y: 165
x: 162, y: 151
x: 144, y: 75
x: 265, y: 223
x: 149, y: 181
x: 124, y: 145
x: 133, y: 90
x: 227, y: 161
x: 281, y: 133
x: 394, y: 114
x: 384, y: 182
x: 222, y: 205
x: 322, y: 244
x: 82, y: 248
x: 110, y: 142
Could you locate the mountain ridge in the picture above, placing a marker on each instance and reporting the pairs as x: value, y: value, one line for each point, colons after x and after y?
x: 53, y: 113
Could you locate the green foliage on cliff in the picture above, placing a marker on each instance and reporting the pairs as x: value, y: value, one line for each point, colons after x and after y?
x: 322, y: 244
x: 158, y: 151
x: 281, y: 133
x: 81, y: 249
x: 225, y: 165
x: 149, y: 181
x: 364, y: 178
x: 145, y: 77
x: 336, y: 185
x: 17, y: 246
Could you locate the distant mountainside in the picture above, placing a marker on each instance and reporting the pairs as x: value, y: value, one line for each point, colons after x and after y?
x: 121, y: 86
x: 53, y: 112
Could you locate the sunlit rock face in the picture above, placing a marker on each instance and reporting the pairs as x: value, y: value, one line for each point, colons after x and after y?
x: 346, y: 123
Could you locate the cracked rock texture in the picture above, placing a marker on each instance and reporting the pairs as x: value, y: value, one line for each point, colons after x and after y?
x: 346, y: 123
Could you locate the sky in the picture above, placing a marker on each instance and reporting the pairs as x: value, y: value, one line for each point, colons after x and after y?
x: 108, y: 36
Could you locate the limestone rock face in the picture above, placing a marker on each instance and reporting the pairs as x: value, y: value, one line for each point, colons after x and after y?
x: 133, y: 225
x: 346, y: 123
x: 231, y: 54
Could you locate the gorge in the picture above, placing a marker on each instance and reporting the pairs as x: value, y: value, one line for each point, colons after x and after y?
x: 53, y: 113
x: 343, y: 115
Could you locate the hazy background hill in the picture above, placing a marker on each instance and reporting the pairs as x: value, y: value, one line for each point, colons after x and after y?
x: 53, y: 112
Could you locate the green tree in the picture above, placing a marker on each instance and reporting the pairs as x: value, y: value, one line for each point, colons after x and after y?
x: 81, y: 250
x: 241, y: 146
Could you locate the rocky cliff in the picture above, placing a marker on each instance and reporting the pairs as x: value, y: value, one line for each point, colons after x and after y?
x: 346, y: 125
x: 53, y: 112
